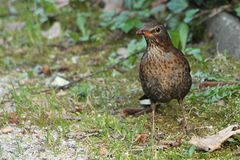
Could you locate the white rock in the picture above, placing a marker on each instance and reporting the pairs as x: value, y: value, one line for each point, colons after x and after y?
x: 59, y: 82
x: 53, y: 32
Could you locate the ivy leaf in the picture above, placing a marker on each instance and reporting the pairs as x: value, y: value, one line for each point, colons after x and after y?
x: 81, y: 24
x: 177, y: 6
x: 189, y: 15
x: 183, y: 33
x: 175, y: 38
x: 237, y: 10
x: 130, y: 24
x: 191, y: 150
x: 136, y: 46
x: 195, y: 52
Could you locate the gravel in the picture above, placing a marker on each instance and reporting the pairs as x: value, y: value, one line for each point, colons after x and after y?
x: 30, y: 143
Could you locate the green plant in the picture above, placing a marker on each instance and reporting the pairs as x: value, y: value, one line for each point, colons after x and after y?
x: 214, y: 94
x: 82, y: 26
x: 43, y: 9
x: 237, y: 10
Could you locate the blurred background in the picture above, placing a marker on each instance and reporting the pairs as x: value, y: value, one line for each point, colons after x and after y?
x: 69, y: 67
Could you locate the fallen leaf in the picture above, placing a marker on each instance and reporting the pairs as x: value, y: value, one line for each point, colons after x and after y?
x: 61, y: 3
x: 170, y: 143
x: 53, y: 32
x: 13, y: 118
x: 103, y: 151
x: 6, y: 130
x: 46, y: 70
x: 141, y: 138
x: 213, y: 142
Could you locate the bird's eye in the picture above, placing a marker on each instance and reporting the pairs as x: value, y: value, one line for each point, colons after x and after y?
x: 157, y: 30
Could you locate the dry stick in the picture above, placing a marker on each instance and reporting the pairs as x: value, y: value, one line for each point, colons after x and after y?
x: 213, y: 12
x: 213, y: 84
x: 99, y: 71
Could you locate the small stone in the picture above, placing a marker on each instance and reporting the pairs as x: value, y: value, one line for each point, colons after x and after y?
x: 71, y: 143
x: 53, y: 32
x: 6, y: 130
x: 221, y: 103
x: 225, y: 29
x: 75, y: 59
x: 59, y: 82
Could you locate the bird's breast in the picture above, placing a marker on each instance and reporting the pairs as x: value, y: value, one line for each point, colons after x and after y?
x: 162, y: 72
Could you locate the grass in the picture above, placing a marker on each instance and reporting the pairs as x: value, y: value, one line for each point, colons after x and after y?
x: 103, y: 97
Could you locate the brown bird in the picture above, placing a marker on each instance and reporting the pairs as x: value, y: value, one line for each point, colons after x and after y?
x: 164, y: 71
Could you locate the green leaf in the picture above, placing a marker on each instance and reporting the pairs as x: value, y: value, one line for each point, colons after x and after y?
x: 191, y: 150
x: 195, y: 52
x: 81, y: 90
x: 48, y: 6
x: 237, y: 10
x: 136, y: 46
x: 157, y: 9
x: 183, y: 33
x: 130, y: 24
x: 81, y: 24
x: 177, y: 6
x: 189, y: 15
x: 173, y: 22
x: 175, y: 38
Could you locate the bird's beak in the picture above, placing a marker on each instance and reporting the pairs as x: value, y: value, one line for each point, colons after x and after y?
x: 144, y: 33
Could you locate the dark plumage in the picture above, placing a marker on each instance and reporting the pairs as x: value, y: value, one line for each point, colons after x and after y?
x: 164, y: 71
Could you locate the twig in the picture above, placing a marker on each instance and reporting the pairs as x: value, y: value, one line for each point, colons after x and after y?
x: 110, y: 67
x: 213, y: 84
x: 211, y: 12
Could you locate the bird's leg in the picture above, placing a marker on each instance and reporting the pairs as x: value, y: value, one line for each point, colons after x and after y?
x: 153, y: 107
x: 184, y: 122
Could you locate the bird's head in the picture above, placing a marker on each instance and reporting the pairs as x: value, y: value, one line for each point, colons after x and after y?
x: 155, y: 33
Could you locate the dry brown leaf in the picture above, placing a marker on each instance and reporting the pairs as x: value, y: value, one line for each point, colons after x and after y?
x: 46, y: 70
x: 6, y: 130
x: 13, y: 118
x: 169, y: 143
x: 211, y: 143
x: 103, y: 151
x: 141, y: 138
